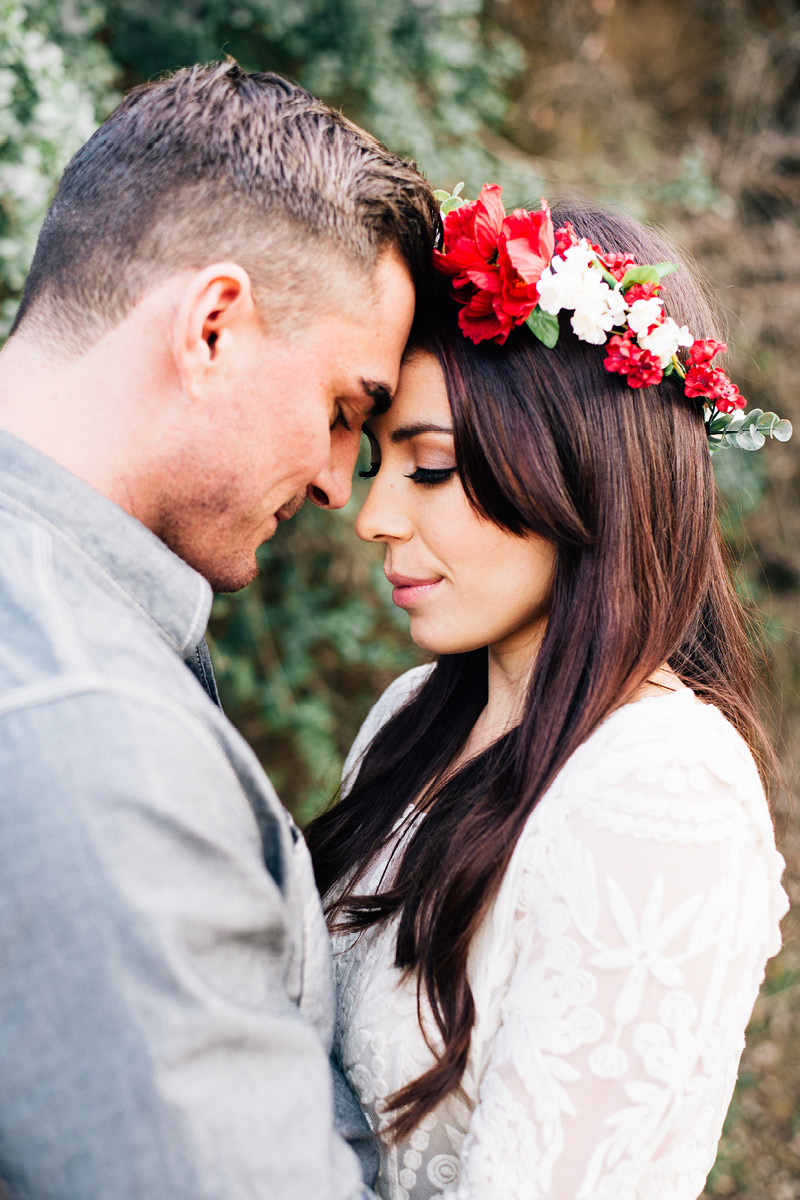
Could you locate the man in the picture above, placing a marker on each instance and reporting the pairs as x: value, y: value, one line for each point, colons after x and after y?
x: 220, y: 295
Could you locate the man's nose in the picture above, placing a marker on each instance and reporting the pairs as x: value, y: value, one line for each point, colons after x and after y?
x: 331, y: 488
x: 329, y: 491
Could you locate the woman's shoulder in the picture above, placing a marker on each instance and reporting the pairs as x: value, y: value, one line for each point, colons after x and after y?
x: 664, y: 784
x: 669, y: 767
x: 398, y: 693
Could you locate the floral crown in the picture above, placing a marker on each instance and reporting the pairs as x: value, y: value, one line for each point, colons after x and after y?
x: 516, y: 269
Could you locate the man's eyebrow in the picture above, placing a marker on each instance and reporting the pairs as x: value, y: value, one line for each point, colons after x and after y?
x: 380, y: 395
x: 405, y: 432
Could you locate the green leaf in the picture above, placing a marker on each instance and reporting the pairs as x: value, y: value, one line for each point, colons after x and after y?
x: 439, y: 194
x: 450, y: 203
x: 783, y: 430
x: 639, y: 275
x: 665, y: 269
x: 544, y: 326
x: 720, y: 423
x: 458, y: 188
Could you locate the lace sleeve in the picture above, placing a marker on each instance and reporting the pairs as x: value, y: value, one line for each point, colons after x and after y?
x: 393, y: 699
x: 643, y: 912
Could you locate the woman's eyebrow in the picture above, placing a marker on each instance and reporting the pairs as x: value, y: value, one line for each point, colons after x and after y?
x: 409, y: 431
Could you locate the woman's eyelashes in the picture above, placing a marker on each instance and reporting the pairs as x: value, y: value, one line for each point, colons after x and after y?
x: 431, y: 475
x: 427, y: 476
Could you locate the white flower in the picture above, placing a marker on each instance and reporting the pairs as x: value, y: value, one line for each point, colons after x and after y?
x: 596, y: 313
x: 567, y: 278
x: 575, y: 281
x: 644, y: 313
x: 664, y: 340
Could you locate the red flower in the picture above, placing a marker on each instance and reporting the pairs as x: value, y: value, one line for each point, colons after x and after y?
x: 711, y: 383
x: 626, y: 357
x: 642, y: 291
x: 702, y: 352
x: 525, y: 248
x: 566, y: 237
x: 495, y: 262
x: 478, y: 319
x: 470, y: 240
x: 617, y: 264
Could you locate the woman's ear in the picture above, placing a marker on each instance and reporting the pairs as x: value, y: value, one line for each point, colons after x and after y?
x: 216, y: 305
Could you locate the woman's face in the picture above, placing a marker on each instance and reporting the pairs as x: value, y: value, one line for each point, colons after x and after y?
x: 464, y: 582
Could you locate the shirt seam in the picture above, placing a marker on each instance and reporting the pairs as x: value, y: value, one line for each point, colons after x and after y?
x: 77, y: 683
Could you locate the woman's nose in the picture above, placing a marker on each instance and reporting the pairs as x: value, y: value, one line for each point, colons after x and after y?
x: 382, y: 517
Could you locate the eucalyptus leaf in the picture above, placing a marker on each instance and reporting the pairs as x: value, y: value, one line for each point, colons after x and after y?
x: 544, y: 326
x: 748, y: 439
x: 457, y: 190
x: 752, y: 418
x: 783, y: 430
x: 720, y: 422
x: 439, y: 194
x: 450, y: 203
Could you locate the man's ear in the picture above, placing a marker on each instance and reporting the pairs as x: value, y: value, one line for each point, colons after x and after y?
x: 216, y: 304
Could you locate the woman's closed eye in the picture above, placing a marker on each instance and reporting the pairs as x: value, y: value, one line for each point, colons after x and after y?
x: 431, y: 475
x: 425, y: 475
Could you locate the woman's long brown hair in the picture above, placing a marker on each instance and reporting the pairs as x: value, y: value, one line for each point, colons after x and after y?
x: 620, y: 481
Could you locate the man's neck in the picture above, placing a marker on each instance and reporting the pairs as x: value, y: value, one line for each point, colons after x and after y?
x: 78, y: 412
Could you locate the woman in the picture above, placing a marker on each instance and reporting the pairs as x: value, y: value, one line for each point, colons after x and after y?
x: 552, y: 880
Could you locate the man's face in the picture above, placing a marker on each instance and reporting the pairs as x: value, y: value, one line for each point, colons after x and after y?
x: 286, y: 418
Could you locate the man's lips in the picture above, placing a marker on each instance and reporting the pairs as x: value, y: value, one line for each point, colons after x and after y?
x: 291, y: 507
x: 406, y: 590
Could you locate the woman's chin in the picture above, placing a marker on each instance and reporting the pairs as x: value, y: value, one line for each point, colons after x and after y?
x: 440, y: 641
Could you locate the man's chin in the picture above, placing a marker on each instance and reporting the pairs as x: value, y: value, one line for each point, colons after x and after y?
x: 231, y: 580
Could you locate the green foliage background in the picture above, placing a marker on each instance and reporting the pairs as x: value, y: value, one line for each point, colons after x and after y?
x: 685, y: 113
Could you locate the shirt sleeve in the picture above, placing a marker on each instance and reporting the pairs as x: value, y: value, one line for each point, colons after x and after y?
x: 149, y: 1046
x: 642, y: 917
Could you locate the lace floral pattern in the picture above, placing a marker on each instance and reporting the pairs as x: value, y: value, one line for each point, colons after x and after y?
x: 613, y: 976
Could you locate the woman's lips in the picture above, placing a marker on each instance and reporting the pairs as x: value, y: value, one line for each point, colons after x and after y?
x: 407, y: 591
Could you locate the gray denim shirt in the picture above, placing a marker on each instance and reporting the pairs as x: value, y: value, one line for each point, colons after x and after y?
x: 165, y: 995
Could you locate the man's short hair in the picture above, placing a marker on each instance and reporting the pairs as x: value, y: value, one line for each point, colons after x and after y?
x: 214, y: 163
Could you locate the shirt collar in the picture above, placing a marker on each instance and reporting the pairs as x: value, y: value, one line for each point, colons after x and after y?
x: 139, y: 566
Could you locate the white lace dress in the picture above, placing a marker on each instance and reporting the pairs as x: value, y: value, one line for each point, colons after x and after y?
x: 613, y: 976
